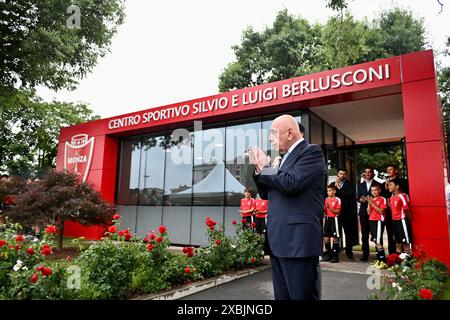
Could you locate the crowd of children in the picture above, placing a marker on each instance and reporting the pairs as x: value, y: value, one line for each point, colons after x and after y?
x: 376, y: 210
x: 254, y: 211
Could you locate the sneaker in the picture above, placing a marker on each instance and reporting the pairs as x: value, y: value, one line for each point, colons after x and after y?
x: 350, y: 257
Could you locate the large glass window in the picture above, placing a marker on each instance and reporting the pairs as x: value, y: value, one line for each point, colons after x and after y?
x: 340, y: 139
x: 209, y: 167
x: 151, y: 173
x: 178, y: 173
x: 316, y: 129
x: 328, y: 135
x: 128, y: 186
x: 239, y: 171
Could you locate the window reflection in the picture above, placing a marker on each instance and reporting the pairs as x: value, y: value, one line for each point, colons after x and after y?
x: 178, y: 173
x: 128, y: 191
x: 151, y: 173
x: 239, y: 171
x: 208, y: 188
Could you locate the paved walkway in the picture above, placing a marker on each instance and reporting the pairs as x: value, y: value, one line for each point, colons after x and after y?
x: 340, y: 281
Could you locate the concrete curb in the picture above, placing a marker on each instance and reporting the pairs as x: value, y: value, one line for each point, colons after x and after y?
x: 195, y: 287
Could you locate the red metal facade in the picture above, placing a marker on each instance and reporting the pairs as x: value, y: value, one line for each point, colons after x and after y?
x: 412, y: 75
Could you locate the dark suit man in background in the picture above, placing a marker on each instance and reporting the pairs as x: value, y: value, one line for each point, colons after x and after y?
x: 348, y: 217
x: 295, y: 191
x: 392, y: 172
x: 363, y: 193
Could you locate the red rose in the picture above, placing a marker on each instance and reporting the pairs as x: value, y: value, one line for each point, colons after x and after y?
x: 30, y: 251
x: 51, y: 230
x: 210, y: 223
x: 112, y: 229
x: 116, y: 217
x: 244, y: 221
x: 2, y: 243
x: 150, y: 247
x: 190, y: 254
x: 253, y: 260
x: 18, y: 247
x: 46, y: 271
x: 159, y: 239
x: 39, y: 268
x: 34, y: 278
x: 46, y: 250
x: 162, y: 229
x: 19, y: 238
x: 185, y: 250
x: 253, y: 225
x: 426, y: 294
x: 123, y: 232
x: 218, y: 242
x: 145, y: 240
x: 127, y: 236
x: 187, y: 270
x: 392, y: 259
x: 152, y: 236
x: 233, y: 222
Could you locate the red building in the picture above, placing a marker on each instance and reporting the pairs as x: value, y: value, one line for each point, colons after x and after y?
x: 130, y: 158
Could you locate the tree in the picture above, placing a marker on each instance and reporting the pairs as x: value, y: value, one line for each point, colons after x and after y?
x: 293, y: 47
x: 58, y: 197
x: 42, y: 46
x: 444, y: 92
x: 287, y: 49
x: 29, y: 130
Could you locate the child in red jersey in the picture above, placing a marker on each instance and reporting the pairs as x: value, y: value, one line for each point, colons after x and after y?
x: 377, y: 216
x: 399, y: 203
x: 247, y: 206
x: 332, y: 209
x: 260, y: 215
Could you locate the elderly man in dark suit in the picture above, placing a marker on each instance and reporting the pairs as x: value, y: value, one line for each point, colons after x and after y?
x: 295, y: 189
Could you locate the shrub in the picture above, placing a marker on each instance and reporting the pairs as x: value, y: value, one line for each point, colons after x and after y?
x: 417, y: 277
x: 107, y: 268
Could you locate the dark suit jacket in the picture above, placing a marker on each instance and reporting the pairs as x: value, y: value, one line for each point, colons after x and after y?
x: 296, y: 197
x: 348, y: 216
x: 362, y: 191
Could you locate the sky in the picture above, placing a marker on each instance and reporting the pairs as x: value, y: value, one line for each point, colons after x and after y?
x: 174, y: 50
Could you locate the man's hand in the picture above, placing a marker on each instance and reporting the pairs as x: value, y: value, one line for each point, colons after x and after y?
x: 258, y: 158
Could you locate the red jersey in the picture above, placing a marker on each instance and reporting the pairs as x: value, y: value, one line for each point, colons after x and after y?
x: 381, y: 203
x: 247, y: 205
x: 334, y: 203
x: 261, y: 206
x: 399, y: 204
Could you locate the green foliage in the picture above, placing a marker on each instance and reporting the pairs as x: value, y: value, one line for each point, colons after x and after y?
x: 293, y: 47
x: 249, y: 247
x: 38, y: 48
x: 414, y: 274
x: 337, y: 4
x: 107, y: 269
x: 29, y: 130
x: 379, y: 158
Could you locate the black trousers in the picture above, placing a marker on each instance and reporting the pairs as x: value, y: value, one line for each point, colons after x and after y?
x: 296, y: 278
x: 365, y: 231
x: 390, y: 231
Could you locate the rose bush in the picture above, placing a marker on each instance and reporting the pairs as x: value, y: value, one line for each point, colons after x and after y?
x: 121, y: 264
x: 417, y: 277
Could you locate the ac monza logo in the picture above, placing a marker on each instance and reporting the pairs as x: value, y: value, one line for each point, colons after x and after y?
x: 78, y: 154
